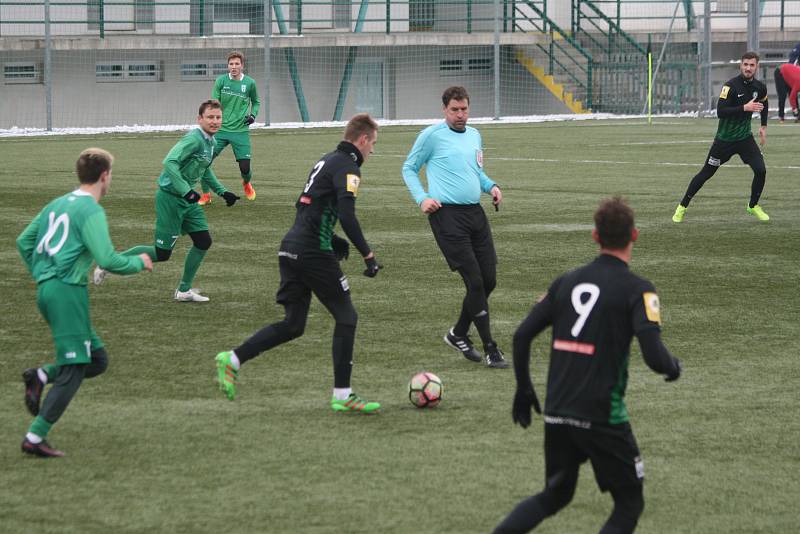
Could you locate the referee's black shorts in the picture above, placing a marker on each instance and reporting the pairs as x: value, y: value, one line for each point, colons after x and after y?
x: 305, y: 270
x: 747, y: 149
x: 463, y: 234
x: 611, y: 449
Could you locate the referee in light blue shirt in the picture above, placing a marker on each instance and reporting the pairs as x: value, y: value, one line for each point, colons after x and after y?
x: 452, y: 153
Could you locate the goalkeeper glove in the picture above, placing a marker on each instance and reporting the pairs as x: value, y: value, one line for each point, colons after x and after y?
x: 372, y: 267
x: 230, y: 198
x: 524, y: 398
x: 192, y: 196
x: 250, y: 120
x: 340, y: 247
x: 675, y: 374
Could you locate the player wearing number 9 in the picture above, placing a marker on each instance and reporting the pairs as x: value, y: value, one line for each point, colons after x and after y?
x: 58, y: 248
x: 595, y: 311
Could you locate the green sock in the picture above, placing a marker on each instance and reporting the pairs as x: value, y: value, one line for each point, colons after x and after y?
x: 193, y: 260
x: 141, y: 249
x: 51, y: 370
x: 40, y: 427
x: 247, y: 177
x: 205, y: 187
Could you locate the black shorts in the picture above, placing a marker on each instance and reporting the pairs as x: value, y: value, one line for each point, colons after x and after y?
x: 747, y: 149
x: 463, y: 235
x: 304, y: 271
x: 611, y: 449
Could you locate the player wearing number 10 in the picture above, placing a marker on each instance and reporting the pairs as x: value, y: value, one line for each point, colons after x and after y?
x: 58, y: 248
x: 595, y: 311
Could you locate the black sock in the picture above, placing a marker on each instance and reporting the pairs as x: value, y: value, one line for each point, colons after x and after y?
x: 344, y: 337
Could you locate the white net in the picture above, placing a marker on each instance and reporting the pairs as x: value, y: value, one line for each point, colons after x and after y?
x: 93, y: 63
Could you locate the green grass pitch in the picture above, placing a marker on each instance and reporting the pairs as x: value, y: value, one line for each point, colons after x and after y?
x: 153, y: 446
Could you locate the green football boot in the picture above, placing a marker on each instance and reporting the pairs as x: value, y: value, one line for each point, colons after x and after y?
x: 759, y: 214
x: 226, y: 374
x: 354, y: 404
x: 678, y: 215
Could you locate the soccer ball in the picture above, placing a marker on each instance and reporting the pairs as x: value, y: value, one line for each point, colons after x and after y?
x: 425, y: 390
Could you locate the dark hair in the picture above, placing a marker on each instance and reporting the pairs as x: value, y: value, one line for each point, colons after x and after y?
x: 614, y: 223
x: 93, y: 162
x: 359, y: 125
x: 454, y: 93
x: 750, y: 55
x: 213, y: 104
x: 234, y: 54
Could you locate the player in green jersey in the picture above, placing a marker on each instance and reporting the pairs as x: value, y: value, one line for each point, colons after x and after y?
x: 239, y: 98
x: 58, y: 248
x: 177, y: 212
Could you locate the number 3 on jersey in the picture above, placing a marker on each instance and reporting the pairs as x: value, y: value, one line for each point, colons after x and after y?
x: 314, y: 173
x: 583, y: 307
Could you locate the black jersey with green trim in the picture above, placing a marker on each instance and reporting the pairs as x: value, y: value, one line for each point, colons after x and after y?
x: 734, y: 121
x: 595, y: 311
x: 333, y: 179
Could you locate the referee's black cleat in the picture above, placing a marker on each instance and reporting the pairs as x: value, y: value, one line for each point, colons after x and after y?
x: 42, y: 449
x: 33, y: 390
x: 464, y: 345
x: 494, y: 357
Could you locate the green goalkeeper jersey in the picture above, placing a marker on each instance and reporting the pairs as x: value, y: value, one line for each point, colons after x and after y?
x: 188, y: 162
x: 237, y: 97
x: 66, y: 236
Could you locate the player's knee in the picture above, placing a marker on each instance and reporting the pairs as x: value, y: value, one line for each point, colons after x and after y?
x: 345, y: 315
x: 99, y: 363
x: 472, y: 280
x: 294, y: 328
x: 557, y: 497
x: 628, y: 507
x: 201, y: 240
x: 244, y: 166
x: 163, y: 254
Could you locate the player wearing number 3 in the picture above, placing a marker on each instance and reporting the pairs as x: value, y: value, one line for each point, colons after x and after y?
x: 594, y: 311
x: 58, y: 248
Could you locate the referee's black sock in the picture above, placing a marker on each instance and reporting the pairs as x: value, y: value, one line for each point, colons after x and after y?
x: 484, y: 329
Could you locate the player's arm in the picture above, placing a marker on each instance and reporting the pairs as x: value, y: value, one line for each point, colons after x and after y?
x: 177, y: 157
x: 211, y: 180
x: 26, y: 241
x: 255, y: 103
x: 216, y: 92
x: 765, y: 112
x: 346, y: 185
x: 656, y: 355
x: 646, y: 321
x: 416, y: 159
x: 726, y: 104
x: 98, y: 242
x: 539, y: 318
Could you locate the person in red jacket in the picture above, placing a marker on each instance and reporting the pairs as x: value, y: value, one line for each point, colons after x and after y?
x: 791, y: 76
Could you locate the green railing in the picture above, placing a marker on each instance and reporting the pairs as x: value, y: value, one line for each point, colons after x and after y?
x: 566, y: 57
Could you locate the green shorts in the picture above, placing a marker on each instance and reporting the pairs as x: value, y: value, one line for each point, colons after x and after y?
x: 175, y: 217
x: 65, y: 307
x: 240, y: 141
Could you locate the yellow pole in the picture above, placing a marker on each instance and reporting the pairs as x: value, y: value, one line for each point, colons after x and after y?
x: 649, y: 88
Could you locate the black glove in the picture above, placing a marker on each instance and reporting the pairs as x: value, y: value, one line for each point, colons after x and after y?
x: 341, y: 247
x: 523, y: 400
x: 676, y: 374
x: 250, y: 120
x: 192, y: 196
x: 372, y: 267
x: 230, y: 198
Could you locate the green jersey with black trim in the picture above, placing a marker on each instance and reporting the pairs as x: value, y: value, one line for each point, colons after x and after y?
x: 734, y: 121
x: 239, y: 99
x: 66, y: 236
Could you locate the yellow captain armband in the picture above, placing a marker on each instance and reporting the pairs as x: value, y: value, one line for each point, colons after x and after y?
x: 652, y: 307
x: 724, y: 94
